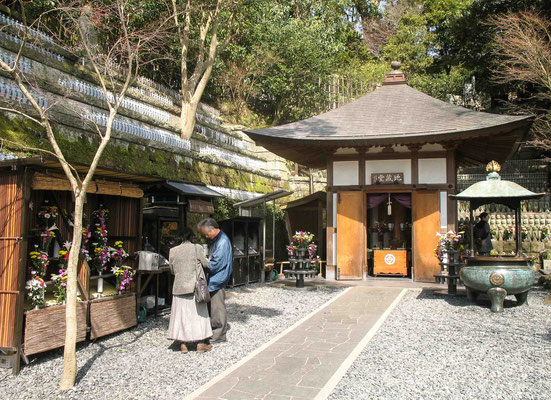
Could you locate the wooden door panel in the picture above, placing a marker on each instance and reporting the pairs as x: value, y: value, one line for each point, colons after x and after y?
x: 426, y: 223
x: 350, y: 235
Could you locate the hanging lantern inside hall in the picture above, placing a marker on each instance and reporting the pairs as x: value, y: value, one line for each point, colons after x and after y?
x: 389, y: 205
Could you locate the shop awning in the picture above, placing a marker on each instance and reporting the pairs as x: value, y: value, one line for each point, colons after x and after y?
x: 191, y: 189
x: 264, y: 198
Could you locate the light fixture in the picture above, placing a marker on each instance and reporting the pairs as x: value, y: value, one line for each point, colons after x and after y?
x: 389, y: 206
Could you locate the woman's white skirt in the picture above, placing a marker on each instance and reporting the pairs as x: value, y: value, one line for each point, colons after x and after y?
x: 189, y: 320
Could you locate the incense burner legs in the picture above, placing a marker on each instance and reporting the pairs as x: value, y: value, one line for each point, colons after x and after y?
x: 497, y: 296
x: 498, y: 278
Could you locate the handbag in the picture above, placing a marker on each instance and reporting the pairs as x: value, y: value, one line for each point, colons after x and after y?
x: 201, y: 291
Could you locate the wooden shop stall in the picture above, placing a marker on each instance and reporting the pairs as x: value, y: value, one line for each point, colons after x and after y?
x: 308, y: 214
x: 36, y: 207
x: 169, y: 206
x: 391, y: 158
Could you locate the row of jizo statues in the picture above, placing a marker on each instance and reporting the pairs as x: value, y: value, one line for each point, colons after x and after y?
x: 535, y: 226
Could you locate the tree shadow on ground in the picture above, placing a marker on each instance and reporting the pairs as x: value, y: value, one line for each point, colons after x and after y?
x: 137, y: 332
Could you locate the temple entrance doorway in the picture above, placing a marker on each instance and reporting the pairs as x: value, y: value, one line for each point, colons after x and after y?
x: 389, y: 234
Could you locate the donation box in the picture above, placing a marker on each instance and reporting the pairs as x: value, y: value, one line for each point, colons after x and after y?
x: 390, y: 262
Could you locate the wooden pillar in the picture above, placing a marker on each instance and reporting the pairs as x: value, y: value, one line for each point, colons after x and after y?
x: 451, y: 179
x: 414, y: 148
x: 330, y: 226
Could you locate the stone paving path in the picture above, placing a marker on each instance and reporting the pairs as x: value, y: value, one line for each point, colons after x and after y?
x: 309, y: 359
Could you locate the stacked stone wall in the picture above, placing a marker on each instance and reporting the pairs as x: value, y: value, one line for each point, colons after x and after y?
x: 146, y: 132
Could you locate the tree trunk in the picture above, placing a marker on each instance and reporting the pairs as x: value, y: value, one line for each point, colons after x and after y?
x: 69, y: 353
x: 189, y: 108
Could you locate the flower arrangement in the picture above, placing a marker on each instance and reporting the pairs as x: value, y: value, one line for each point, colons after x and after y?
x: 47, y: 213
x: 544, y: 233
x: 36, y: 287
x: 64, y: 255
x: 494, y: 252
x: 302, y: 241
x: 545, y: 254
x: 448, y: 241
x: 524, y: 233
x: 94, y: 241
x: 508, y: 233
x: 86, y: 236
x: 312, y: 249
x: 117, y: 253
x: 46, y: 238
x: 380, y: 227
x: 60, y: 282
x: 39, y: 262
x: 123, y: 275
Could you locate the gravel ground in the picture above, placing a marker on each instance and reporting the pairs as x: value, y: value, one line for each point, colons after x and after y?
x: 439, y: 347
x: 141, y: 363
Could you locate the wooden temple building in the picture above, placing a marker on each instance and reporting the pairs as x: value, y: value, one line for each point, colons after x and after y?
x: 391, y: 158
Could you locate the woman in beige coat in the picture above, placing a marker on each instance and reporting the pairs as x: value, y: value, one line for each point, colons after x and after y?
x: 189, y: 320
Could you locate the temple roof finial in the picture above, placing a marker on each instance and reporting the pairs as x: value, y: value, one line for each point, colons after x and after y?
x: 395, y: 76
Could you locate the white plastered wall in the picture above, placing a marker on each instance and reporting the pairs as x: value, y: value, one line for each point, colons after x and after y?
x: 346, y: 173
x: 432, y: 170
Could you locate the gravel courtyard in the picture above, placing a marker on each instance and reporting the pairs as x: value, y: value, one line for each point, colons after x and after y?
x: 439, y: 347
x: 138, y: 364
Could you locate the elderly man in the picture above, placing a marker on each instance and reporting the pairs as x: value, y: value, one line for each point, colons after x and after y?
x: 219, y: 271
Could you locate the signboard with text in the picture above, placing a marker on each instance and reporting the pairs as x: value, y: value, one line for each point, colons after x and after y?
x: 387, y: 178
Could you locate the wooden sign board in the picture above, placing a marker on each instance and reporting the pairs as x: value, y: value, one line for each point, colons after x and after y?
x: 387, y: 178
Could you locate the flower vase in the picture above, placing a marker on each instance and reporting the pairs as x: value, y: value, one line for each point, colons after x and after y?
x: 301, y: 253
x: 100, y: 283
x: 56, y: 250
x: 445, y: 262
x: 36, y: 307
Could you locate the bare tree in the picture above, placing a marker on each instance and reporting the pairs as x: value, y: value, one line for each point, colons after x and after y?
x: 114, y: 64
x: 523, y: 46
x: 198, y: 26
x: 378, y: 21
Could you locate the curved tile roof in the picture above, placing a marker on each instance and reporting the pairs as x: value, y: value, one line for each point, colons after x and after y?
x: 390, y: 112
x: 396, y: 114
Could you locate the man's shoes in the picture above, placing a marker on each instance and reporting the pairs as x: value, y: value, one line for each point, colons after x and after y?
x: 202, y: 347
x: 219, y: 340
x: 183, y: 348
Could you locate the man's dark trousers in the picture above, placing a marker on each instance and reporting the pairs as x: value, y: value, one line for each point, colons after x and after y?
x: 218, y: 315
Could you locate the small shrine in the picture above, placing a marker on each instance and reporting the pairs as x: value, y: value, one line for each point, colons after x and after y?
x: 391, y: 158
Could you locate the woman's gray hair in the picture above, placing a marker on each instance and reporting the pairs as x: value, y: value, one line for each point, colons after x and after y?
x: 208, y: 224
